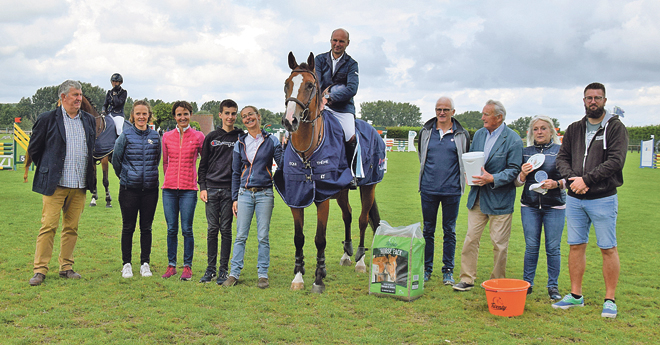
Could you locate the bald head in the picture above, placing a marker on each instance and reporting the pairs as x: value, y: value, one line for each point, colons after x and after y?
x: 340, y: 30
x: 338, y: 42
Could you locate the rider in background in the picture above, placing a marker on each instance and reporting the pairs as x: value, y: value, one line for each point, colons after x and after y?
x: 114, y: 102
x: 338, y: 76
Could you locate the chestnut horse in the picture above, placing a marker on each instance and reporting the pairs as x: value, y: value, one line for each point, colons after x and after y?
x: 304, y: 120
x: 87, y: 106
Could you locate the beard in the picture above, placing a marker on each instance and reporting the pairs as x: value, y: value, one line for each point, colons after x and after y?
x: 594, y: 114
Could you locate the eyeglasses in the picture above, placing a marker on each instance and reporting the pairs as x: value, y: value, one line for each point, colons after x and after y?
x: 597, y: 98
x: 440, y: 110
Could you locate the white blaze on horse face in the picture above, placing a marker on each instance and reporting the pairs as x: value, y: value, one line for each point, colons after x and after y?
x: 295, y: 90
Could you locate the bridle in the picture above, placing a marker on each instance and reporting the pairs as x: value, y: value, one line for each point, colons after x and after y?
x: 305, y: 113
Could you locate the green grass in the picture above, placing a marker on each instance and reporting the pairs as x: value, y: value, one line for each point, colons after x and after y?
x: 105, y: 308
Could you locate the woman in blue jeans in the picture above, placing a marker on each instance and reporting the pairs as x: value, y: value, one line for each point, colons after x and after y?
x: 252, y: 192
x: 181, y: 148
x: 545, y: 206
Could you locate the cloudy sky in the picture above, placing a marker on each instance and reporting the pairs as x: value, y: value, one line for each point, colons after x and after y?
x: 535, y: 57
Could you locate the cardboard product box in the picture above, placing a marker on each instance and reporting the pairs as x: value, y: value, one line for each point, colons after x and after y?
x: 397, y: 262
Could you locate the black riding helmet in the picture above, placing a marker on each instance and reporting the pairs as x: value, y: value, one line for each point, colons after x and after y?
x: 117, y: 77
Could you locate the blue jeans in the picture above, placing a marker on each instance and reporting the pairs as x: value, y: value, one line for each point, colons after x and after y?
x: 450, y: 206
x: 580, y: 214
x: 177, y: 201
x: 251, y: 203
x: 552, y: 221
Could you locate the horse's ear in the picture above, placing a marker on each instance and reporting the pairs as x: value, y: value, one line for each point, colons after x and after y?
x: 292, y: 61
x: 310, y: 61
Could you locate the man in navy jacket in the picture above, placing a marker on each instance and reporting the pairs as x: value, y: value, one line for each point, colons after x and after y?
x: 338, y: 76
x: 61, y: 146
x: 493, y: 194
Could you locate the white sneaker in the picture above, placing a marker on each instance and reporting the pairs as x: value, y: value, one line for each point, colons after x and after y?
x: 127, y: 271
x: 145, y: 271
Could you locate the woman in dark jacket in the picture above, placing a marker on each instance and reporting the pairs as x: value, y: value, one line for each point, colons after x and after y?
x: 543, y: 206
x: 252, y: 192
x: 135, y: 160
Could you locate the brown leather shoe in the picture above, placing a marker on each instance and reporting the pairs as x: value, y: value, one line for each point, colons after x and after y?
x: 262, y: 283
x: 231, y: 281
x: 69, y: 274
x: 37, y: 279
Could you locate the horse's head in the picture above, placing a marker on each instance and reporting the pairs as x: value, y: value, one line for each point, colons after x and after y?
x: 302, y: 94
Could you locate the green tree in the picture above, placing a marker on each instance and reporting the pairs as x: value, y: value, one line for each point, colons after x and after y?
x: 163, y: 115
x: 44, y: 99
x: 128, y: 106
x: 25, y: 109
x: 389, y: 113
x: 95, y: 94
x: 470, y: 119
x: 7, y: 114
x: 269, y: 118
x: 212, y: 107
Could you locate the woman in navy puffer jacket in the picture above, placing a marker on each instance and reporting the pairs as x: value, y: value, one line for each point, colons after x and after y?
x: 135, y: 159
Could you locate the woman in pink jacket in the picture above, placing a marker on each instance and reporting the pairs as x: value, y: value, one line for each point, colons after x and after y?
x: 181, y: 147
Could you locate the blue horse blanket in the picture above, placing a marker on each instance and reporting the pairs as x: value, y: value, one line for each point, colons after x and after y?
x: 105, y: 143
x: 325, y: 172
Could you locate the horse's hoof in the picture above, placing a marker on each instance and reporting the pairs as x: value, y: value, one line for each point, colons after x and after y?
x: 297, y: 286
x: 318, y: 288
x: 345, y: 260
x: 108, y: 206
x: 360, y: 268
x: 92, y: 204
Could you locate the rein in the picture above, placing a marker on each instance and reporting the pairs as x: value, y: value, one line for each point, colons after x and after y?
x: 306, y: 113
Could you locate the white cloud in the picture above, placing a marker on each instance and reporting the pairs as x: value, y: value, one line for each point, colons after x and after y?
x: 535, y: 57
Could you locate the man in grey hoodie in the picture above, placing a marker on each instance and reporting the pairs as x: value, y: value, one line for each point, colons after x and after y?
x: 591, y: 158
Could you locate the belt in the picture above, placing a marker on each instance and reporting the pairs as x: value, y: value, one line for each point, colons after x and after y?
x: 256, y: 189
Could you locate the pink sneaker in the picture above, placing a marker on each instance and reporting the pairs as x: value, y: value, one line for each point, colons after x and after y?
x: 187, y: 273
x: 171, y: 270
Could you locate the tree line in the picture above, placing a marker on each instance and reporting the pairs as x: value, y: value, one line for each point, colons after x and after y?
x: 379, y: 113
x: 45, y: 99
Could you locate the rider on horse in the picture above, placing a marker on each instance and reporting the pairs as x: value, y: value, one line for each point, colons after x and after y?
x: 338, y: 76
x: 114, y: 102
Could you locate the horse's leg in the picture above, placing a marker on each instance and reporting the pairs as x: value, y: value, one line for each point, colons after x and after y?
x: 95, y: 195
x: 367, y: 195
x: 342, y: 201
x: 106, y: 182
x: 299, y: 240
x: 322, y: 210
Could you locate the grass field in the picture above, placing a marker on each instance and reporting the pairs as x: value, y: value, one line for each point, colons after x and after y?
x: 105, y: 308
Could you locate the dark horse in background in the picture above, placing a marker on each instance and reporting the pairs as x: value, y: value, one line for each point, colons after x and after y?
x: 304, y: 119
x: 105, y: 131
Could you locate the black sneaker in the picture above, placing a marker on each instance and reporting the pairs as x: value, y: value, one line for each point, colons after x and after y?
x: 222, y: 277
x: 529, y: 290
x: 208, y: 276
x: 553, y: 292
x: 463, y: 286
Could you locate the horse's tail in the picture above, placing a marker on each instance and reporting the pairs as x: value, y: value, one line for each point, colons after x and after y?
x: 374, y: 217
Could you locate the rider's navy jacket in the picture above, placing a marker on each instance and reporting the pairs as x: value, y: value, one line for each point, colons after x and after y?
x: 258, y: 173
x: 346, y: 73
x: 48, y: 149
x: 136, y: 158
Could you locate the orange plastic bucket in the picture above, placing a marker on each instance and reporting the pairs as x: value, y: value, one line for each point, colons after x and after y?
x: 506, y: 297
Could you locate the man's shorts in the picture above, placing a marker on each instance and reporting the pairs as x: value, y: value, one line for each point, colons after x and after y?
x: 580, y: 214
